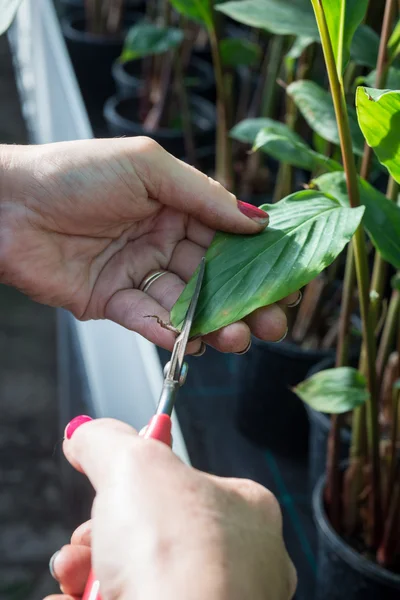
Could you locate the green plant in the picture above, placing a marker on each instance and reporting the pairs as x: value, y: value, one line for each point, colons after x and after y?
x: 348, y: 154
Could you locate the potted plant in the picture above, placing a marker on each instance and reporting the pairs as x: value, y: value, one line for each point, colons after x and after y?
x: 94, y: 38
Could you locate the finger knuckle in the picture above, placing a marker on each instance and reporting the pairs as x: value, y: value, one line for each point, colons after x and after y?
x: 146, y: 145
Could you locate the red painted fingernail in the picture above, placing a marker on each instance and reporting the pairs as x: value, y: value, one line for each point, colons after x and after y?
x: 74, y: 424
x: 253, y: 212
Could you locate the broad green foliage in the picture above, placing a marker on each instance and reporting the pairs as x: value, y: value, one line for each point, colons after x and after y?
x: 365, y: 47
x: 392, y: 79
x: 146, y: 39
x: 343, y: 17
x: 296, y: 153
x: 306, y: 233
x: 381, y: 218
x: 197, y: 10
x: 8, y: 8
x: 334, y: 391
x: 236, y: 51
x: 281, y: 17
x: 394, y: 42
x: 246, y: 131
x: 296, y: 50
x: 316, y: 106
x: 379, y: 117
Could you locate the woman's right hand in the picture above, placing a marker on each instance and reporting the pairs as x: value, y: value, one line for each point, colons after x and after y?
x: 161, y: 529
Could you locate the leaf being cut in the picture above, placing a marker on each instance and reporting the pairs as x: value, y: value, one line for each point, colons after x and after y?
x: 381, y: 218
x: 316, y: 106
x: 334, y: 391
x: 343, y: 17
x: 379, y: 117
x: 236, y: 51
x: 8, y: 9
x: 281, y: 17
x: 146, y: 39
x: 296, y: 153
x: 306, y: 233
x: 197, y: 10
x: 365, y: 47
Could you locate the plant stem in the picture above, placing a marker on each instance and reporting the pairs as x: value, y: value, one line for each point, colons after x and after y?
x: 361, y: 263
x: 380, y: 71
x: 190, y: 149
x: 388, y: 333
x: 223, y: 166
x: 270, y: 87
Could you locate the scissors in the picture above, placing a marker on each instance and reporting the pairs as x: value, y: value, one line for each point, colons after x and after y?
x: 159, y: 427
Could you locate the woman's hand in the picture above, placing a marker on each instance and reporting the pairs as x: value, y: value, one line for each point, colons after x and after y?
x: 83, y: 223
x: 161, y: 529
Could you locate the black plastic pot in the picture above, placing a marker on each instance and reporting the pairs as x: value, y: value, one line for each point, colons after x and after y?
x: 268, y: 412
x: 92, y: 57
x: 121, y: 115
x: 199, y: 78
x: 343, y: 574
x: 79, y: 4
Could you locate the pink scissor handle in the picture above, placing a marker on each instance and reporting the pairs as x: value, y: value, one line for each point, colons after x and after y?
x: 159, y: 428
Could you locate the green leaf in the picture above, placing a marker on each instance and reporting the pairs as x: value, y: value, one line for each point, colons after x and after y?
x: 281, y: 17
x: 246, y: 131
x: 297, y: 48
x: 306, y: 233
x: 334, y: 391
x: 343, y: 17
x: 146, y: 39
x: 395, y: 282
x: 394, y: 42
x: 379, y: 117
x: 296, y: 153
x: 197, y: 10
x: 381, y: 218
x: 316, y: 106
x: 365, y: 47
x: 8, y: 8
x: 235, y: 52
x: 392, y: 79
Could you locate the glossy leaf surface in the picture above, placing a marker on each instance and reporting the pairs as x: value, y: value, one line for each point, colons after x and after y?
x: 334, y: 391
x: 379, y: 117
x: 281, y: 17
x: 306, y: 233
x: 296, y: 153
x: 381, y: 218
x: 316, y: 106
x: 145, y: 39
x: 343, y: 17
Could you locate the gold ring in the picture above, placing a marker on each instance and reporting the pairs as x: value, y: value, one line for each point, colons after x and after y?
x: 297, y: 301
x: 151, y: 278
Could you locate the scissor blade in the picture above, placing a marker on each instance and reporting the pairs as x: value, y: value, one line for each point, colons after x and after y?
x: 179, y: 351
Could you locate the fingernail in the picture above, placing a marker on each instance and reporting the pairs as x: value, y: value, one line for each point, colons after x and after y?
x: 74, y: 424
x: 253, y: 212
x: 51, y: 564
x: 245, y: 350
x: 296, y: 302
x: 201, y: 350
x: 282, y: 338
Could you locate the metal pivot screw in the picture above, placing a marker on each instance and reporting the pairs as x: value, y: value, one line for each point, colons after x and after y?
x: 183, y: 375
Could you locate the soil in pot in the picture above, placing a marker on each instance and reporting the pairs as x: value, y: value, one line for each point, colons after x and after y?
x: 268, y: 412
x: 122, y: 117
x: 343, y: 573
x: 92, y: 57
x: 199, y: 78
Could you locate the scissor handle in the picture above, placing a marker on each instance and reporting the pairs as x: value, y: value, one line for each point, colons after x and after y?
x: 159, y: 428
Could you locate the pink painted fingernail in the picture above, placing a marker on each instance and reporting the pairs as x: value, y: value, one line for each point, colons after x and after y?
x: 74, y: 424
x: 253, y: 212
